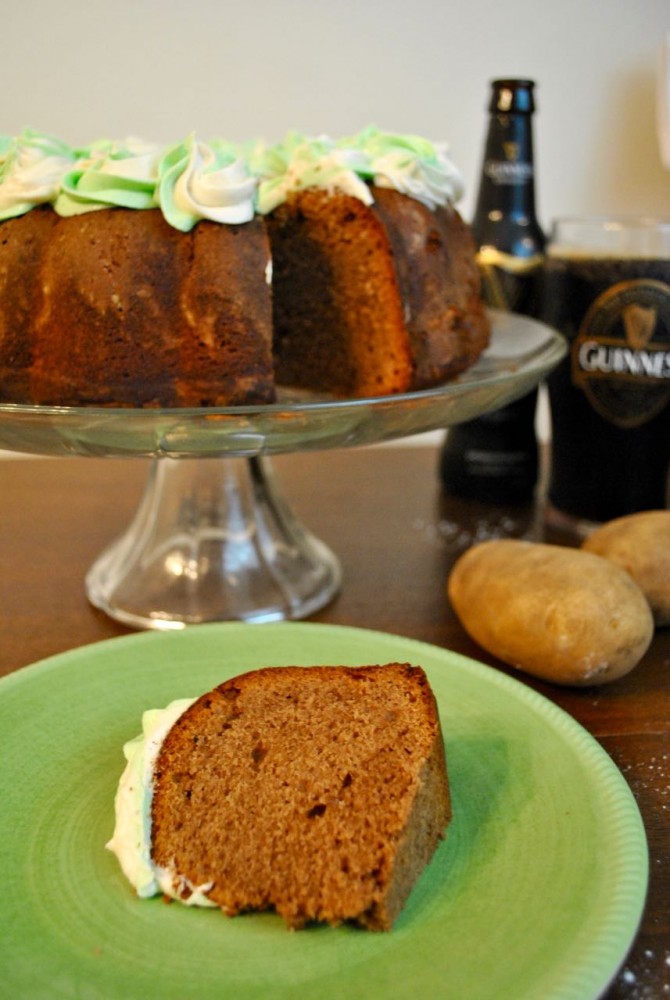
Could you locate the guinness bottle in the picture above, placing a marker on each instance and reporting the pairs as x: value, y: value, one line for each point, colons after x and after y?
x: 494, y: 458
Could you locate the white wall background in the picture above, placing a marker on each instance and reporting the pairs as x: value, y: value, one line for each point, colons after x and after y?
x: 161, y: 68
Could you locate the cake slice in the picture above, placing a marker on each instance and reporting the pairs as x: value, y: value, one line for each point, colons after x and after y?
x: 319, y: 792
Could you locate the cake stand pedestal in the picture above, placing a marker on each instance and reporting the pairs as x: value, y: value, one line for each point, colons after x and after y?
x: 213, y: 539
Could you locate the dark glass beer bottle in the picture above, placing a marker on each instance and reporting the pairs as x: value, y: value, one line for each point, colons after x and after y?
x: 494, y: 458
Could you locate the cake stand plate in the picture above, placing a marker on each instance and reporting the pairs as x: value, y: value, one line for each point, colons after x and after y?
x: 213, y: 539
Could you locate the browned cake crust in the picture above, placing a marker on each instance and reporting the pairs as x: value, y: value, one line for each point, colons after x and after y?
x: 21, y: 243
x: 439, y: 283
x: 226, y: 353
x: 130, y: 311
x: 320, y: 792
x: 372, y: 300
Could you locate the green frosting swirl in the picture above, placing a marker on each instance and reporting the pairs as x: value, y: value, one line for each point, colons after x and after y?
x: 110, y: 174
x: 375, y: 144
x: 410, y: 164
x: 205, y: 181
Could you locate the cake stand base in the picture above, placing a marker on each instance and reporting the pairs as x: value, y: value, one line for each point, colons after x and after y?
x: 212, y: 540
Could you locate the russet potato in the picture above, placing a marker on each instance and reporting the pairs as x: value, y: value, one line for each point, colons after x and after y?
x: 561, y: 614
x: 640, y: 544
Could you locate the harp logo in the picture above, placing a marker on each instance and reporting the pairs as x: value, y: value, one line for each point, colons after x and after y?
x: 621, y: 357
x: 511, y: 170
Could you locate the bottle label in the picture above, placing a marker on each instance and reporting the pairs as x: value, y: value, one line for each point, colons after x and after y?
x: 621, y: 356
x: 510, y: 171
x: 509, y: 282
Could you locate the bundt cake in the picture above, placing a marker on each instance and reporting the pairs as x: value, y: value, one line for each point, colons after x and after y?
x: 319, y: 792
x: 207, y: 275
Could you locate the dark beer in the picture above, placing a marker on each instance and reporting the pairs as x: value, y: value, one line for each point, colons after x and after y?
x: 609, y: 397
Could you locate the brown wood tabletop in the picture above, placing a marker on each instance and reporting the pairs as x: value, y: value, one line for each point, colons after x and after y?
x: 382, y: 512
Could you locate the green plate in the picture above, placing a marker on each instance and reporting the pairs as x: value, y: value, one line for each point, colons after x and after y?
x: 536, y: 892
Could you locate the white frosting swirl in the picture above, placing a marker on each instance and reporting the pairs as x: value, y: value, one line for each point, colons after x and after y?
x: 432, y: 184
x: 410, y: 164
x: 205, y: 181
x: 32, y: 170
x: 131, y: 841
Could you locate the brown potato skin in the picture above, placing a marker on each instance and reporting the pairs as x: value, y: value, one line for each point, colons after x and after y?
x: 640, y: 544
x: 561, y: 614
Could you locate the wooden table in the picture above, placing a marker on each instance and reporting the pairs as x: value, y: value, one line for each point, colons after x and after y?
x: 382, y: 512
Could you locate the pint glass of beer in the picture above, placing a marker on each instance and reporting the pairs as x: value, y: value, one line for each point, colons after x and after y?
x: 607, y: 288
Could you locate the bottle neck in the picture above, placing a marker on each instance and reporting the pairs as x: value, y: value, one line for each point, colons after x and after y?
x: 505, y: 212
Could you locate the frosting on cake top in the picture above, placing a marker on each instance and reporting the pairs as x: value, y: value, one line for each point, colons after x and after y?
x: 216, y: 180
x: 414, y: 166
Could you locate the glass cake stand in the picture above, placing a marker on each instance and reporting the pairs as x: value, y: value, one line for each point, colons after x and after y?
x: 213, y: 538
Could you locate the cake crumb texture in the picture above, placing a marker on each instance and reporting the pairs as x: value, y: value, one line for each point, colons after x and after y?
x: 320, y: 792
x: 375, y: 300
